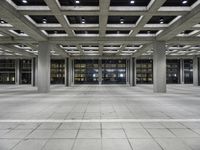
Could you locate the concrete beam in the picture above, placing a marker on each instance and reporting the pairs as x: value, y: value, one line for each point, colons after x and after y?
x: 53, y: 5
x: 9, y: 14
x: 143, y: 50
x: 103, y: 16
x: 187, y: 21
x: 16, y: 50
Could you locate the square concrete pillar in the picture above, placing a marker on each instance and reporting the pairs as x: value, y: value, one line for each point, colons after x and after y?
x: 159, y: 67
x: 132, y: 72
x: 66, y: 71
x: 17, y: 72
x: 181, y: 71
x: 33, y: 71
x: 43, y: 67
x: 100, y: 71
x: 70, y: 72
x: 195, y: 71
x: 127, y: 72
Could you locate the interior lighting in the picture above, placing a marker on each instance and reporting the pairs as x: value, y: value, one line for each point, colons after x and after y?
x: 1, y: 21
x: 83, y: 20
x: 77, y: 1
x: 44, y: 20
x: 161, y: 20
x: 184, y: 1
x: 121, y: 20
x: 24, y: 1
x: 132, y: 2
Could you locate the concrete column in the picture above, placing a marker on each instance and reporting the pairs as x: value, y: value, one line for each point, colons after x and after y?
x: 100, y: 71
x: 44, y: 67
x: 181, y: 71
x: 66, y: 72
x: 135, y: 72
x: 17, y: 72
x: 127, y: 71
x: 72, y: 68
x: 36, y: 71
x: 33, y: 72
x: 159, y: 67
x: 70, y: 72
x: 199, y: 71
x: 132, y: 72
x: 195, y: 71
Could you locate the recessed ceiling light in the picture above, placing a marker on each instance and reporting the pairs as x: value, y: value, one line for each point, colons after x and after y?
x: 24, y: 1
x: 83, y: 20
x: 77, y: 1
x: 1, y: 21
x: 44, y: 20
x: 132, y: 2
x: 184, y: 1
x: 121, y: 20
x: 161, y: 20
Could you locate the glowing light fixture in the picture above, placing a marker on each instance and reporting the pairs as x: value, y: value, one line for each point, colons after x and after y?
x: 24, y: 1
x: 184, y: 1
x: 83, y: 20
x: 44, y: 20
x: 77, y: 1
x: 132, y: 2
x: 121, y: 20
x: 161, y: 20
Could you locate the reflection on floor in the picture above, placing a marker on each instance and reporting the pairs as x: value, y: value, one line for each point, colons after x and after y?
x: 100, y: 102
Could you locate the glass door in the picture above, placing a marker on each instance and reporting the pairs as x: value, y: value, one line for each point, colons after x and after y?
x: 114, y: 71
x: 86, y: 71
x: 144, y: 69
x: 7, y: 71
x: 25, y: 71
x: 188, y: 71
x: 57, y: 71
x: 173, y: 71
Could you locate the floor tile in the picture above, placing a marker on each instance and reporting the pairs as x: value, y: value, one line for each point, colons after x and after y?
x: 65, y: 134
x: 144, y: 144
x: 30, y: 145
x: 172, y: 144
x: 87, y: 144
x: 59, y: 144
x: 89, y: 134
x: 161, y: 133
x: 7, y: 144
x: 37, y: 134
x: 115, y: 144
x: 17, y: 134
x: 113, y: 134
x: 90, y: 126
x: 184, y: 133
x: 137, y: 133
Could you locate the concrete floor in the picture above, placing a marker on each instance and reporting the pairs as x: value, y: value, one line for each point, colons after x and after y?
x: 119, y: 118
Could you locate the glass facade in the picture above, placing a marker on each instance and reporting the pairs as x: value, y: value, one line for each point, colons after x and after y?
x: 57, y: 71
x: 188, y: 71
x: 86, y: 71
x: 144, y: 69
x: 114, y: 71
x: 173, y: 71
x: 7, y: 71
x: 25, y: 71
